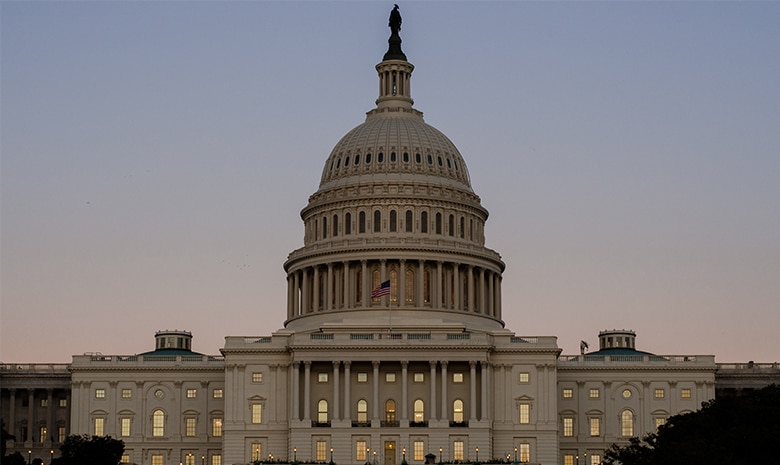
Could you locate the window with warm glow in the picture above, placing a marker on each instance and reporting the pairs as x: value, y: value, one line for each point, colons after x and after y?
x: 419, y: 377
x: 525, y: 452
x: 360, y: 451
x: 257, y: 377
x: 216, y: 393
x: 457, y: 411
x: 419, y: 450
x: 321, y: 449
x: 322, y: 411
x: 257, y: 451
x: 458, y: 450
x: 125, y: 426
x: 216, y: 460
x: 568, y: 427
x: 568, y: 459
x: 192, y: 393
x: 525, y: 414
x: 568, y: 393
x: 158, y: 423
x: 660, y: 394
x: 127, y: 394
x: 685, y: 393
x: 595, y: 426
x: 419, y: 410
x: 100, y: 424
x: 257, y: 413
x: 362, y: 411
x: 157, y: 459
x: 593, y: 393
x: 524, y: 377
x: 100, y: 393
x: 457, y: 377
x: 216, y: 427
x: 189, y: 426
x: 627, y: 423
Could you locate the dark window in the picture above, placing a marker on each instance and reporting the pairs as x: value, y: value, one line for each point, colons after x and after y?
x: 393, y: 221
x: 368, y: 158
x: 324, y: 228
x: 347, y: 223
x: 452, y: 225
x: 406, y: 157
x: 336, y: 225
x: 438, y: 223
x: 462, y: 227
x: 430, y: 159
x: 417, y: 158
x: 338, y: 163
x: 392, y: 157
x: 377, y: 221
x: 449, y: 164
x: 380, y: 157
x: 424, y: 222
x: 361, y: 222
x: 346, y: 160
x: 439, y: 161
x: 409, y: 221
x: 357, y: 159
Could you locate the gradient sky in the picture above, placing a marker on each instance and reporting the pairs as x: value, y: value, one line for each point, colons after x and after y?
x: 156, y: 156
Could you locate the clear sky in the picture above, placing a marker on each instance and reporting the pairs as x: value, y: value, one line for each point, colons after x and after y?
x: 156, y: 156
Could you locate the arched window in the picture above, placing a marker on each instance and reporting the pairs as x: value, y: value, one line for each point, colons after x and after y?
x: 335, y: 225
x: 627, y: 423
x: 361, y: 222
x: 462, y: 227
x: 347, y: 223
x: 393, y: 285
x: 457, y: 411
x: 409, y: 221
x: 316, y: 229
x: 324, y: 228
x: 409, y: 284
x: 377, y: 221
x: 393, y: 221
x: 390, y: 410
x: 419, y: 410
x: 471, y: 230
x: 322, y: 411
x: 438, y: 223
x: 424, y: 222
x: 451, y: 225
x: 375, y: 277
x: 158, y: 423
x: 362, y: 411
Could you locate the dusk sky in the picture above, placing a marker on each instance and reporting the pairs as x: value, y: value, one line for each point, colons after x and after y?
x: 156, y: 156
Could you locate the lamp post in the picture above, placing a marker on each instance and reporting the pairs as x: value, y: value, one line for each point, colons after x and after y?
x: 29, y: 457
x: 440, y: 450
x: 476, y: 451
x: 331, y: 456
x: 403, y: 461
x: 51, y: 456
x: 585, y: 457
x: 515, y: 454
x: 374, y: 457
x: 202, y: 460
x: 368, y: 456
x: 295, y: 455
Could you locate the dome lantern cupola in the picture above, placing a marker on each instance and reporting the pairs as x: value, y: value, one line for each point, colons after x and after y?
x: 395, y: 72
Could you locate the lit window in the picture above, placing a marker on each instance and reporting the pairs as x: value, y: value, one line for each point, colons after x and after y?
x: 43, y: 433
x: 360, y: 451
x: 362, y: 411
x: 63, y: 403
x: 595, y: 459
x: 390, y: 377
x: 100, y: 393
x: 458, y: 450
x: 158, y: 423
x: 390, y: 410
x: 362, y: 377
x: 660, y: 393
x: 595, y: 427
x: 61, y: 434
x: 568, y: 427
x: 257, y: 377
x: 419, y: 450
x: 127, y: 394
x: 44, y: 402
x: 419, y: 410
x: 257, y: 413
x: 216, y: 427
x: 525, y: 453
x: 627, y: 423
x: 457, y: 377
x: 685, y: 393
x: 125, y: 458
x: 659, y: 422
x: 257, y: 451
x: 321, y: 451
x: 525, y: 414
x: 322, y: 411
x: 192, y: 393
x: 419, y: 377
x: 568, y: 393
x: 125, y: 426
x: 189, y: 459
x: 568, y: 459
x: 189, y: 427
x: 322, y: 377
x: 216, y: 460
x: 100, y: 424
x: 216, y: 393
x: 457, y: 411
x: 524, y: 377
x: 593, y: 393
x: 157, y: 459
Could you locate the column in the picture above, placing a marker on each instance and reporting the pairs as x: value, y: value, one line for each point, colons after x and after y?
x: 305, y: 301
x: 420, y: 298
x: 296, y: 293
x: 404, y: 390
x: 438, y: 285
x: 315, y: 306
x: 457, y: 287
x: 473, y: 388
x: 471, y: 287
x: 306, y: 391
x: 347, y: 383
x: 376, y: 390
x: 295, y: 375
x: 365, y: 284
x: 433, y: 390
x: 444, y: 381
x: 485, y: 374
x: 335, y: 409
x: 290, y: 313
x: 490, y: 297
x: 498, y: 296
x: 402, y: 284
x: 329, y: 293
x: 508, y: 391
x: 345, y: 297
x: 482, y: 291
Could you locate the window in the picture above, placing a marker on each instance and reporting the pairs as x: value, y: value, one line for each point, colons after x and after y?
x: 125, y: 458
x: 361, y: 222
x: 390, y: 410
x: 100, y: 424
x: 322, y: 377
x: 419, y: 377
x: 127, y: 394
x: 568, y: 427
x: 257, y: 413
x: 659, y: 422
x: 189, y: 426
x: 158, y: 423
x: 627, y: 423
x: 390, y: 377
x: 216, y: 460
x: 457, y: 411
x: 419, y: 450
x: 393, y: 221
x: 125, y: 426
x: 419, y: 410
x: 321, y: 451
x: 593, y: 393
x: 457, y: 377
x: 347, y: 223
x: 362, y: 377
x: 257, y: 377
x: 568, y: 459
x: 462, y: 227
x: 595, y: 459
x: 408, y: 221
x: 660, y: 393
x: 568, y: 393
x: 157, y: 459
x: 438, y: 223
x: 100, y: 393
x: 63, y: 403
x: 192, y: 393
x: 43, y: 433
x: 525, y: 453
x: 362, y: 411
x: 335, y: 225
x: 523, y: 377
x: 360, y: 451
x: 451, y: 225
x: 685, y: 393
x: 410, y: 298
x: 216, y: 427
x: 324, y: 228
x: 189, y: 459
x: 525, y: 414
x: 216, y: 393
x: 61, y: 434
x: 322, y: 411
x: 424, y: 222
x: 595, y: 427
x: 377, y: 221
x: 44, y: 402
x: 457, y: 450
x: 257, y: 451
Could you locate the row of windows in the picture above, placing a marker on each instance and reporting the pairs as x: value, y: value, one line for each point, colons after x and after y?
x: 189, y: 459
x: 594, y: 393
x: 62, y: 403
x: 333, y: 228
x: 355, y: 160
x: 390, y: 377
x: 158, y: 425
x: 418, y: 414
x: 594, y: 424
x: 588, y: 459
x: 43, y: 433
x: 100, y: 393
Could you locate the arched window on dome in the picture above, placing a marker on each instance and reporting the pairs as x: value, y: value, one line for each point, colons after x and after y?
x: 393, y: 221
x: 417, y: 158
x: 439, y: 161
x: 451, y: 224
x: 362, y: 411
x: 449, y: 164
x: 406, y: 157
x: 324, y: 228
x: 457, y: 411
x: 346, y: 161
x: 627, y: 423
x: 438, y: 223
x: 357, y: 159
x: 316, y: 229
x: 335, y: 225
x: 409, y: 285
x: 368, y: 158
x: 377, y: 221
x: 409, y: 221
x: 361, y: 222
x: 424, y: 222
x: 462, y: 227
x: 375, y: 277
x: 419, y: 411
x: 338, y: 163
x: 347, y: 223
x: 380, y: 157
x: 471, y: 229
x: 393, y: 275
x: 322, y: 411
x: 430, y: 159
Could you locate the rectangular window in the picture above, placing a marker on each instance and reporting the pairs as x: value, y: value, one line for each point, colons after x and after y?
x: 525, y: 453
x: 189, y: 459
x: 43, y: 433
x: 125, y: 458
x: 524, y: 377
x: 360, y: 451
x: 390, y: 377
x: 419, y: 450
x: 457, y: 377
x: 457, y: 451
x: 419, y: 377
x: 61, y: 434
x: 192, y: 393
x: 44, y: 402
x: 568, y: 427
x: 659, y: 422
x: 362, y: 377
x: 593, y: 393
x: 257, y: 451
x: 660, y: 394
x: 321, y: 448
x: 157, y: 459
x: 595, y: 459
x: 216, y: 427
x: 568, y: 393
x: 127, y: 394
x: 257, y: 377
x: 63, y: 403
x: 568, y: 459
x: 100, y: 424
x: 125, y: 426
x: 322, y: 377
x: 189, y: 426
x: 100, y: 393
x: 216, y: 460
x: 595, y: 426
x: 216, y: 393
x: 685, y: 393
x: 525, y: 414
x: 257, y: 413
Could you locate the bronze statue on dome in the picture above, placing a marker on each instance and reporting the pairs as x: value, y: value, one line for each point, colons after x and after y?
x: 394, y: 51
x: 395, y: 20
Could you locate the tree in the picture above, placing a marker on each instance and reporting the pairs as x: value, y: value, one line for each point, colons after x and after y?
x: 734, y: 430
x: 95, y: 450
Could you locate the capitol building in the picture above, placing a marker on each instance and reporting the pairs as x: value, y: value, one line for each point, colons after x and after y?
x: 393, y: 351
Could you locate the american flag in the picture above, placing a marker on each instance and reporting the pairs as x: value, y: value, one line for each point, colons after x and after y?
x: 382, y: 289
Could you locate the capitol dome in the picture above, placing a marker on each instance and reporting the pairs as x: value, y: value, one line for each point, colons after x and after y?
x: 394, y: 235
